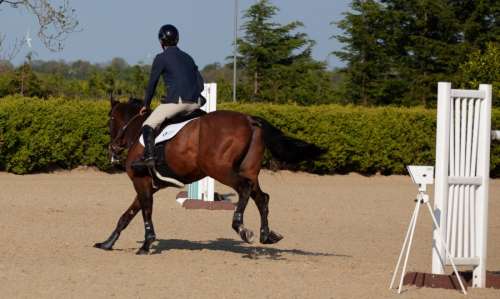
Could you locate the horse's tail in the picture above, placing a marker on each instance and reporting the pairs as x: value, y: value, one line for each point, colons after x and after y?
x: 286, y: 148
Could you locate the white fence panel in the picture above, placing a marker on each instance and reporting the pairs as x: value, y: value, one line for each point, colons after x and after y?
x: 462, y: 178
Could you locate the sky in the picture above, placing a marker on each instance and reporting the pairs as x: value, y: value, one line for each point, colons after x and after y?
x: 128, y: 29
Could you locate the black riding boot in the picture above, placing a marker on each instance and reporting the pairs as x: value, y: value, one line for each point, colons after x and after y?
x: 148, y: 158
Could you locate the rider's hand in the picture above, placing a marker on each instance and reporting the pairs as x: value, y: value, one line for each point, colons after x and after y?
x: 143, y: 111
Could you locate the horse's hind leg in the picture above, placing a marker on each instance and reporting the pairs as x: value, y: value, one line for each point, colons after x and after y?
x: 261, y: 199
x: 121, y: 225
x: 249, y: 169
x: 243, y: 186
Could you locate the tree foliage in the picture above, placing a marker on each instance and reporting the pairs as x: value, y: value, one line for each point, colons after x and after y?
x: 79, y: 79
x: 277, y: 60
x: 483, y: 67
x: 397, y: 50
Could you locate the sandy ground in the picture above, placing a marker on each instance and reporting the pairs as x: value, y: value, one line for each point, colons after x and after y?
x: 342, y: 238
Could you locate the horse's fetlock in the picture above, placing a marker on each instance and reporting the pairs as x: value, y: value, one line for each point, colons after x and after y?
x: 150, y: 237
x: 266, y: 197
x: 236, y: 226
x: 237, y: 221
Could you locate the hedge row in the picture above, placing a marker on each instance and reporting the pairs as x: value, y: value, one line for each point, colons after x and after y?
x: 36, y: 135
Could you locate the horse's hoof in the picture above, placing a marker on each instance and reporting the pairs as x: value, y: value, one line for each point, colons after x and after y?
x: 270, y: 238
x: 142, y: 251
x: 246, y: 235
x: 103, y: 246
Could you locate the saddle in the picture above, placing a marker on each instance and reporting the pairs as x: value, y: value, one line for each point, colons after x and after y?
x: 160, y: 163
x: 179, y: 119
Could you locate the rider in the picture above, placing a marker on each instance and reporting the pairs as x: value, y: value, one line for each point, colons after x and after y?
x: 184, y: 86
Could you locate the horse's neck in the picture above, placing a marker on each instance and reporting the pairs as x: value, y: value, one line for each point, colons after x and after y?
x: 133, y: 134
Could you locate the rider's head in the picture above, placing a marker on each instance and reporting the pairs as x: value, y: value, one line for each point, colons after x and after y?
x: 168, y: 35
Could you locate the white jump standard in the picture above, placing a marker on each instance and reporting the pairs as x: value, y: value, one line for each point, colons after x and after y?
x: 204, y: 188
x: 462, y: 178
x: 460, y: 214
x: 201, y: 194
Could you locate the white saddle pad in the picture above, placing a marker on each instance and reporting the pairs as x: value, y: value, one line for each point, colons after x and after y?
x: 168, y: 132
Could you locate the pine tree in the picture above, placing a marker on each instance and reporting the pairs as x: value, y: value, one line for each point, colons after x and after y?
x: 362, y: 50
x: 273, y: 56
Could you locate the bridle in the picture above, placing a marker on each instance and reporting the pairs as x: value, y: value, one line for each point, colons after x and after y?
x: 114, y: 148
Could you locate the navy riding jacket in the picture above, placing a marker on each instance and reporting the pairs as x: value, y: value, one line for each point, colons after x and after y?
x: 180, y: 74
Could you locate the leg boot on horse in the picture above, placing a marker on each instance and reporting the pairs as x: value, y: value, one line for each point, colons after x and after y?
x: 243, y: 187
x: 267, y: 236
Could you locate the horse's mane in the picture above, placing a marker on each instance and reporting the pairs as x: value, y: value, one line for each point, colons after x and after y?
x: 131, y: 106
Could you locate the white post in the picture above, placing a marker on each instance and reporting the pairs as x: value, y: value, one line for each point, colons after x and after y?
x: 235, y: 49
x: 479, y: 273
x: 204, y: 188
x: 441, y: 181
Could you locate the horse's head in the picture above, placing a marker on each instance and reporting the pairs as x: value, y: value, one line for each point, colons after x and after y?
x: 124, y: 126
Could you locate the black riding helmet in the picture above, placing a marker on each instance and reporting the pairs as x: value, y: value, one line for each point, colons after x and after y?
x: 168, y: 35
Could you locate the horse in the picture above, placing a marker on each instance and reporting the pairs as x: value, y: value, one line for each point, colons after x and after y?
x: 225, y: 145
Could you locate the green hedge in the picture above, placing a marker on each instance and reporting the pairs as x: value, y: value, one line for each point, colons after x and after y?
x: 36, y: 135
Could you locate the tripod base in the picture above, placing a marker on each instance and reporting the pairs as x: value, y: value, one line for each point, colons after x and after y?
x: 422, y: 198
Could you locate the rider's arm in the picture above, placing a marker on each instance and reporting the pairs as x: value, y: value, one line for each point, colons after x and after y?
x: 156, y: 70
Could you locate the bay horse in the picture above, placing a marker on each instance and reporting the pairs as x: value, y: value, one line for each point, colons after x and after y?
x: 225, y: 145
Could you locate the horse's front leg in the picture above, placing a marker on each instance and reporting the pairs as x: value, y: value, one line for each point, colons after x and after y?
x: 120, y: 226
x: 145, y: 195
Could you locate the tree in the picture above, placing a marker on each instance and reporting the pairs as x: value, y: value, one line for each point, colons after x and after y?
x: 5, y: 66
x: 55, y: 22
x: 97, y: 86
x: 139, y: 80
x: 397, y: 50
x: 25, y: 82
x: 483, y: 67
x: 119, y: 64
x: 274, y: 56
x: 362, y: 51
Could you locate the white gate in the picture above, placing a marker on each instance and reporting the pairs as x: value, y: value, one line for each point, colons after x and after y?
x: 204, y: 188
x: 462, y: 178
